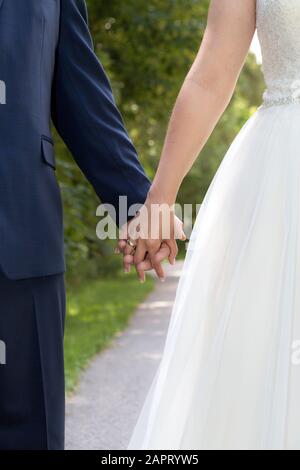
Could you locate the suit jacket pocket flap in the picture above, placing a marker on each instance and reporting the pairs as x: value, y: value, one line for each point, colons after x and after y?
x: 48, y: 152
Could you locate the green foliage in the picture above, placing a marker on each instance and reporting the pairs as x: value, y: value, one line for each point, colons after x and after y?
x: 95, y: 314
x: 150, y: 47
x: 147, y: 49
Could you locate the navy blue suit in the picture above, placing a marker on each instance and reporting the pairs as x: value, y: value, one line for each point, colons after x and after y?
x: 49, y: 67
x: 50, y: 70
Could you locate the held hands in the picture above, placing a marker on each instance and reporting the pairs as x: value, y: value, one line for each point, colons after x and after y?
x: 150, y: 238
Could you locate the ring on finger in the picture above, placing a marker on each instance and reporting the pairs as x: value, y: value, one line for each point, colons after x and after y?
x: 131, y: 243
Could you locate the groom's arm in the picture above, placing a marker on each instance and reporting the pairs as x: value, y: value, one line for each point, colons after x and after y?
x: 85, y: 114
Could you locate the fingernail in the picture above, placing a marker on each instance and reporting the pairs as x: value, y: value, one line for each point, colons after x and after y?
x: 162, y: 279
x: 117, y: 251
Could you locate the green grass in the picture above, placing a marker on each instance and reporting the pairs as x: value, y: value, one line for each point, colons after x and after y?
x: 96, y: 312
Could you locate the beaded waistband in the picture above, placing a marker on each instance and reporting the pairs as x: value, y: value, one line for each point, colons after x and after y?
x: 267, y: 103
x: 282, y: 92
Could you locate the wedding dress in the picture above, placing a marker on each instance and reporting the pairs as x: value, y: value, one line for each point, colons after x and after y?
x: 229, y: 377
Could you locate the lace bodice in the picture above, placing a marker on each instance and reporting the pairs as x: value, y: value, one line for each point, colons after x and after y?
x: 278, y: 27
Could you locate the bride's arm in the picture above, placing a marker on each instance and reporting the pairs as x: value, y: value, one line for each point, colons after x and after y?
x: 203, y: 98
x: 205, y: 93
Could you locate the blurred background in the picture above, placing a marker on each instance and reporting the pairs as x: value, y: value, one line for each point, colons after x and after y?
x: 146, y: 48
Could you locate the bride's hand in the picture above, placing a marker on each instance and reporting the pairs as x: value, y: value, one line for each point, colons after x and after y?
x: 154, y: 230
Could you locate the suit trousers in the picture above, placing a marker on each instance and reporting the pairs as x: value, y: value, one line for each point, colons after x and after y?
x: 32, y: 396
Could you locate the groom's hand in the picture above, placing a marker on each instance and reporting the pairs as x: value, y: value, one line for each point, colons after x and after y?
x: 143, y: 241
x: 145, y: 256
x: 146, y: 264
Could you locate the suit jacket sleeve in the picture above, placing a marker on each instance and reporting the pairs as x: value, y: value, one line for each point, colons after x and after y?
x: 85, y: 114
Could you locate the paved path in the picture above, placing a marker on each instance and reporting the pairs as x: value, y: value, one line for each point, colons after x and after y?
x: 103, y: 412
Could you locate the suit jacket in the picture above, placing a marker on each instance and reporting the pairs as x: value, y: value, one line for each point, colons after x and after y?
x: 50, y: 70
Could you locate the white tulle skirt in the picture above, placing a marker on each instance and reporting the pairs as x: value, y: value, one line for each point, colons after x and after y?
x: 229, y: 376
